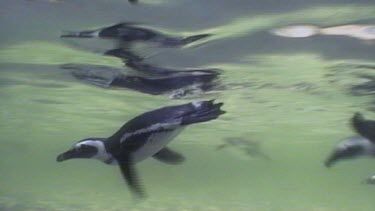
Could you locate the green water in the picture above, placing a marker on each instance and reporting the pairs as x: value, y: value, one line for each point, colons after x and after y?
x: 286, y: 104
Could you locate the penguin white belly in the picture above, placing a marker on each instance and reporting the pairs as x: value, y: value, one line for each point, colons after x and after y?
x: 155, y: 143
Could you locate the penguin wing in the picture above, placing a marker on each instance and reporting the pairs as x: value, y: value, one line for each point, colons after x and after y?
x: 130, y: 175
x: 169, y: 156
x: 363, y: 127
x: 147, y: 121
x: 133, y: 141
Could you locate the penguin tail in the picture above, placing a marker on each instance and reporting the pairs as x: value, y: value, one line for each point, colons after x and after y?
x: 203, y: 111
x: 190, y: 39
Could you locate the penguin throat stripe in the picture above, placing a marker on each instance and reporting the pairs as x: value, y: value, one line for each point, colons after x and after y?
x: 153, y: 128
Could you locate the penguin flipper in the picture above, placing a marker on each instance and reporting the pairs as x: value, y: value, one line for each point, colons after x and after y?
x: 169, y: 156
x: 363, y: 127
x: 130, y: 175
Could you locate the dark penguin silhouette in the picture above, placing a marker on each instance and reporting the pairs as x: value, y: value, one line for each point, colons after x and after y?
x: 179, y: 84
x: 146, y: 135
x: 133, y: 1
x: 363, y: 127
x: 356, y: 146
x: 130, y: 32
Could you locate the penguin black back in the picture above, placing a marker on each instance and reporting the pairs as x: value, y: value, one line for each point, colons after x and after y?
x: 365, y: 128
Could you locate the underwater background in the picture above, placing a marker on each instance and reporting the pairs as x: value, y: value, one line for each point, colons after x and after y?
x: 288, y: 102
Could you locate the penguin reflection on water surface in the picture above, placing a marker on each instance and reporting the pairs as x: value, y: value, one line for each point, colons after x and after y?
x: 146, y: 135
x: 131, y: 32
x: 178, y: 84
x: 137, y: 63
x: 356, y: 146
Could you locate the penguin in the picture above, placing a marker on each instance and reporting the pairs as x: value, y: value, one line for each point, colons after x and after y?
x: 355, y: 146
x: 131, y: 32
x: 144, y: 136
x: 179, y: 84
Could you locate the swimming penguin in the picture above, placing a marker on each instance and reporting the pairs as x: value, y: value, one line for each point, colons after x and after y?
x: 130, y: 32
x: 146, y: 135
x: 133, y: 1
x: 356, y: 146
x: 178, y: 84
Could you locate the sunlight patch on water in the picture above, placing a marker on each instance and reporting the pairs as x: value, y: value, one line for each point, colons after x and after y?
x: 328, y: 15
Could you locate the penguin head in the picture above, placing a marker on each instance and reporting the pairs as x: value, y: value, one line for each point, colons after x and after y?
x: 351, y: 147
x: 86, y: 148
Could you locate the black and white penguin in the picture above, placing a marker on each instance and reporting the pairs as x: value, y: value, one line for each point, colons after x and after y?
x: 146, y: 135
x: 130, y: 32
x: 356, y: 146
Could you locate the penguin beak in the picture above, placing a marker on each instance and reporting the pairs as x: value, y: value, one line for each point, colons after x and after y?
x: 65, y: 156
x: 81, y: 152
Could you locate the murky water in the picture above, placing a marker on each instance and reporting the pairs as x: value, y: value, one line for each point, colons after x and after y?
x: 288, y: 101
